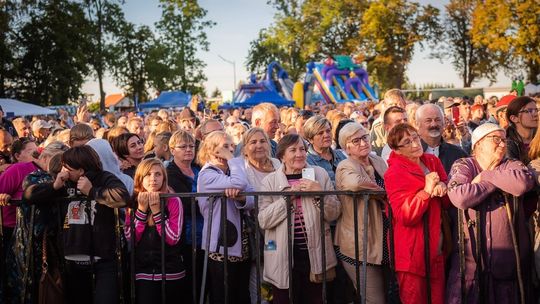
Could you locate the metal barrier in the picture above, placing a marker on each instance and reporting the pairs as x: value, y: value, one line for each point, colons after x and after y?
x: 358, y: 197
x: 364, y: 195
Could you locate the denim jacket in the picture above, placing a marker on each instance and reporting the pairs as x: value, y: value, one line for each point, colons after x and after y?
x: 314, y: 159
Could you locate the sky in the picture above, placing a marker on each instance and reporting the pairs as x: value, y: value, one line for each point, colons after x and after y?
x: 239, y: 22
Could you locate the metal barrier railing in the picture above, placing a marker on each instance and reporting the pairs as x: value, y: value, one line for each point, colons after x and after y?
x: 358, y: 197
x: 364, y: 195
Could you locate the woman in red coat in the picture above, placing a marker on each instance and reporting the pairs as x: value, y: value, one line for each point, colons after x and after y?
x: 416, y: 188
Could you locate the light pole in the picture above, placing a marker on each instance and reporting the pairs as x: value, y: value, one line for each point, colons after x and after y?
x: 234, y: 69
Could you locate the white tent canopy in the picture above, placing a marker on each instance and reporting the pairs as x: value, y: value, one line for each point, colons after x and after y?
x: 19, y: 108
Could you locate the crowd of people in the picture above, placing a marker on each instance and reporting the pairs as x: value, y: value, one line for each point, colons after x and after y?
x: 81, y: 209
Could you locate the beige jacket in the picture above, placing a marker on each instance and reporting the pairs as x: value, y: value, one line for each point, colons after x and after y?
x: 273, y: 219
x: 351, y: 176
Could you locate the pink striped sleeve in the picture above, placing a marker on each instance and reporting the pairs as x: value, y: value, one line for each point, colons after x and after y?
x: 140, y: 224
x: 174, y: 222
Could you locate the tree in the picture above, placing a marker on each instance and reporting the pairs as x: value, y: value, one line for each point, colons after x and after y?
x: 52, y: 53
x: 471, y: 60
x: 216, y: 93
x: 7, y: 58
x: 182, y: 34
x: 390, y: 31
x: 130, y: 53
x: 510, y: 29
x: 104, y: 17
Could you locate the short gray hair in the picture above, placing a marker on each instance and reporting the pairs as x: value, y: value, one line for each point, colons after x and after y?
x: 421, y: 109
x: 347, y: 131
x: 313, y: 125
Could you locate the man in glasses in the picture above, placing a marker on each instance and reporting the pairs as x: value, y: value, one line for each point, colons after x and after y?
x: 430, y: 125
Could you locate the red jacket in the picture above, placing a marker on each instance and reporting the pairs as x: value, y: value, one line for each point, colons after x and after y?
x: 405, y: 181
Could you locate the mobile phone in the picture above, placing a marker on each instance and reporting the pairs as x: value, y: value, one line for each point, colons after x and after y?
x: 455, y: 115
x: 308, y: 173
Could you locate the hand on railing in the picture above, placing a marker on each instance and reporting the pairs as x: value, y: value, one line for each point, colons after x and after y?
x: 234, y: 194
x: 4, y: 199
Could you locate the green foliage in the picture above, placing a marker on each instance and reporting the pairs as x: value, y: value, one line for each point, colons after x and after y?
x: 104, y: 17
x: 51, y: 52
x: 390, y: 31
x: 471, y: 61
x: 423, y: 91
x: 130, y: 53
x: 216, y: 93
x: 510, y: 29
x: 173, y: 61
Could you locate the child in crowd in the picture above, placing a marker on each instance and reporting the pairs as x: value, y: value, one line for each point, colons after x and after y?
x: 150, y: 181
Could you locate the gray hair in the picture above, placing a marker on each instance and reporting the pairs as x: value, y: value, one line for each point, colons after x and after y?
x: 348, y: 131
x: 313, y: 125
x: 421, y: 109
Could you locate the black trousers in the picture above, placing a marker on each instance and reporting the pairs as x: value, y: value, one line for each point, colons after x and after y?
x: 238, y: 281
x: 187, y: 286
x: 150, y: 292
x: 78, y: 282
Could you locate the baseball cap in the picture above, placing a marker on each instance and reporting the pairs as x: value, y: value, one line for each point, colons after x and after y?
x: 41, y: 124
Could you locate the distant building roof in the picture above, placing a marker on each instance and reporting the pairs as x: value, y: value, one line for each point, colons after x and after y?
x: 113, y: 99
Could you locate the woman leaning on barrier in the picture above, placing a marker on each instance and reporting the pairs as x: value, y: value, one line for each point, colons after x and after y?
x: 361, y: 171
x: 221, y: 173
x: 307, y: 244
x: 257, y: 165
x: 492, y: 264
x: 416, y: 188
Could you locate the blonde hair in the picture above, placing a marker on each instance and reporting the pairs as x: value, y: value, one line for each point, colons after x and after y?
x: 249, y: 134
x: 210, y: 143
x: 314, y: 125
x: 286, y: 116
x: 142, y: 170
x: 167, y: 126
x: 180, y: 136
x: 115, y: 132
x: 149, y: 144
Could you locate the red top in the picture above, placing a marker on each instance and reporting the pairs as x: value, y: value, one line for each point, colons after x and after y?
x: 405, y: 181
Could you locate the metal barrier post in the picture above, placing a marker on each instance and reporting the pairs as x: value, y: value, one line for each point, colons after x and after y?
x: 257, y: 249
x: 118, y: 231
x: 132, y: 252
x: 356, y: 246
x: 225, y: 248
x: 364, y: 245
x: 193, y: 249
x: 323, y: 245
x: 290, y: 246
x: 163, y: 273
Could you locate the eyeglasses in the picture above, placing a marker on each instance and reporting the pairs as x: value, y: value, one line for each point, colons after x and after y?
x: 497, y: 140
x: 408, y: 142
x: 358, y: 140
x: 185, y: 147
x: 531, y: 111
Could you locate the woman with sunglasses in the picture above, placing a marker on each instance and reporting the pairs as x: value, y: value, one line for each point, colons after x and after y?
x: 416, y: 188
x: 361, y: 171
